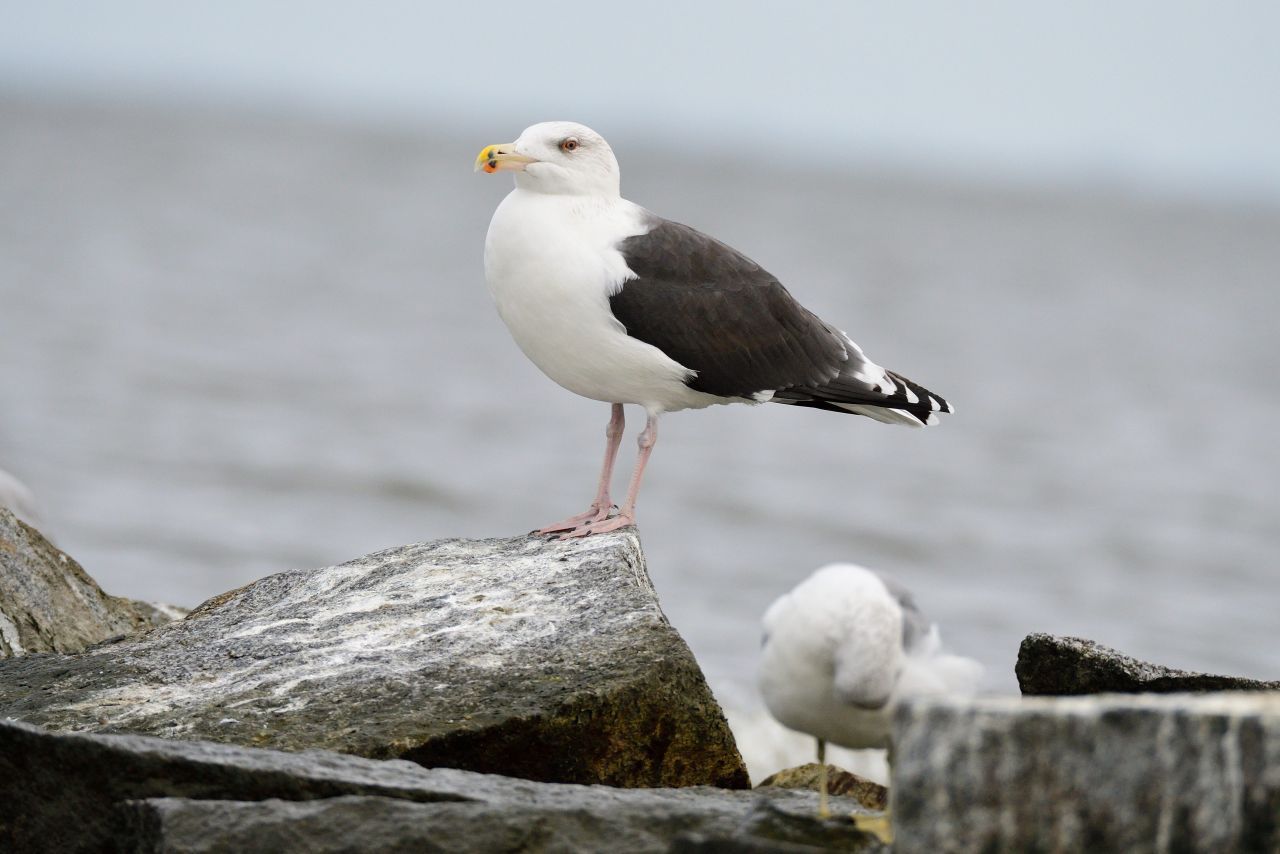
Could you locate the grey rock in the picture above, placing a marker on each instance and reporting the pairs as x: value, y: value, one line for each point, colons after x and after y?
x: 60, y: 792
x: 85, y: 792
x: 1125, y: 773
x: 1053, y: 665
x: 537, y: 659
x: 700, y: 843
x: 48, y: 603
x: 377, y: 824
x: 351, y: 824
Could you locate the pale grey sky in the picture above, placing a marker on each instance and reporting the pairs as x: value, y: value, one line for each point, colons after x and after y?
x: 1179, y: 97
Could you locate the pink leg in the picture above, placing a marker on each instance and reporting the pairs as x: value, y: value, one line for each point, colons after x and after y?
x: 627, y: 516
x: 600, y: 507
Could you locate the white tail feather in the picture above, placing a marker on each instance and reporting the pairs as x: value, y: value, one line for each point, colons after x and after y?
x: 887, y: 416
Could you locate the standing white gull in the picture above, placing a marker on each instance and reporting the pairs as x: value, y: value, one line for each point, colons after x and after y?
x: 842, y: 649
x: 622, y: 306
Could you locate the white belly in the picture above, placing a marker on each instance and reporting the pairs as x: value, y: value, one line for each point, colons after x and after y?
x: 799, y: 694
x: 551, y: 267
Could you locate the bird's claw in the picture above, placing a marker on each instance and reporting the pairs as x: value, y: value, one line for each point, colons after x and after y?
x: 599, y: 526
x: 595, y: 513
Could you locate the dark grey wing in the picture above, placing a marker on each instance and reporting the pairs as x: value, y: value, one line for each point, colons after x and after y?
x: 717, y: 312
x: 915, y: 625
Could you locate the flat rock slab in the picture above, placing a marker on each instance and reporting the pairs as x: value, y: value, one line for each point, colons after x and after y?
x: 83, y: 792
x: 526, y: 657
x: 48, y: 603
x: 376, y: 825
x: 1104, y: 773
x: 1051, y: 665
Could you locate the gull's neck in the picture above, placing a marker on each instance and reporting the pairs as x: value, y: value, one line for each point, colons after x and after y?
x: 580, y: 204
x: 549, y: 185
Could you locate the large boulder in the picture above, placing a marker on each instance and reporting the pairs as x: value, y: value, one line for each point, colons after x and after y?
x: 48, y: 603
x: 81, y: 792
x: 1112, y: 772
x: 526, y: 657
x: 1053, y: 665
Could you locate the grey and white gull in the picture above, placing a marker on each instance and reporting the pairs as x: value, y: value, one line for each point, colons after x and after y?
x: 843, y: 649
x: 622, y: 306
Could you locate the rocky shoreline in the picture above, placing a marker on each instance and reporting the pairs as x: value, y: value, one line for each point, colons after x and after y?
x: 527, y: 695
x: 81, y: 792
x: 549, y: 661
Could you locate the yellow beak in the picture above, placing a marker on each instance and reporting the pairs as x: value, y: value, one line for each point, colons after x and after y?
x: 496, y: 158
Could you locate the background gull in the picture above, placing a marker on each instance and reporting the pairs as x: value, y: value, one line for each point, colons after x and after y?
x: 842, y: 649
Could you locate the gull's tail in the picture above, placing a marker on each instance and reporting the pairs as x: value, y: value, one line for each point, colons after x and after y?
x: 928, y: 670
x: 874, y: 392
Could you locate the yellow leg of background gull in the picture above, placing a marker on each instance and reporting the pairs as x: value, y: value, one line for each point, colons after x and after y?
x: 879, y: 826
x: 824, y: 811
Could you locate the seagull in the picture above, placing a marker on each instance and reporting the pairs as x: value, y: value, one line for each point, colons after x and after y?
x: 619, y: 305
x: 842, y: 649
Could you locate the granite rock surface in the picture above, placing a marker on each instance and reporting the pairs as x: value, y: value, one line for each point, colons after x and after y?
x: 525, y: 657
x: 1150, y: 773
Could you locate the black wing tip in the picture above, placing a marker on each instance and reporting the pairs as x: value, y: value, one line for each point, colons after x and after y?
x: 850, y: 397
x: 926, y: 401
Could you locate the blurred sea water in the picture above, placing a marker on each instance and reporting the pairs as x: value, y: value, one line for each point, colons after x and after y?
x: 233, y: 344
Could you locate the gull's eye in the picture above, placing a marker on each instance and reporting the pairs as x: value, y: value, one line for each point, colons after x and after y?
x: 569, y: 145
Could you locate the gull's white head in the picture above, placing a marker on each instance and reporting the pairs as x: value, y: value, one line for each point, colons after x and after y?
x: 557, y: 157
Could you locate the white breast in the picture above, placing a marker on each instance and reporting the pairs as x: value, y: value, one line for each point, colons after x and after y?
x: 805, y: 677
x: 551, y: 263
x: 798, y: 691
